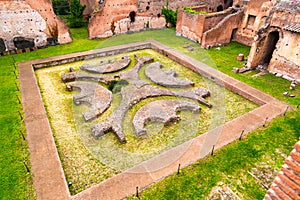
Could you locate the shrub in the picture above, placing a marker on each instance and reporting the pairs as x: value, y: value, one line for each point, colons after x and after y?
x: 170, y: 15
x: 75, y: 17
x: 61, y: 7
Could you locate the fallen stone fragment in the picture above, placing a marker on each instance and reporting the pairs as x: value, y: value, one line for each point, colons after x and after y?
x: 286, y: 93
x: 240, y: 57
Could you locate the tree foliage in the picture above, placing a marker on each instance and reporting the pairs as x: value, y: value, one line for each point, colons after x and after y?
x: 61, y: 7
x: 75, y: 17
x: 170, y: 15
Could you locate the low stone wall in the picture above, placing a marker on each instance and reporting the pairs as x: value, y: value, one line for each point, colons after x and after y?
x: 222, y: 33
x: 193, y: 26
x: 190, y: 25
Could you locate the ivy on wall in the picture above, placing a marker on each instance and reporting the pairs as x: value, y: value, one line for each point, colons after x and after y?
x: 170, y: 15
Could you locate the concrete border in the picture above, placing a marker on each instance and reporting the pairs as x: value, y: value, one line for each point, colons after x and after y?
x: 48, y: 176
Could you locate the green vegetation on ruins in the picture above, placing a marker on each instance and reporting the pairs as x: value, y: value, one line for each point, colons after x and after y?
x: 229, y: 165
x: 191, y: 10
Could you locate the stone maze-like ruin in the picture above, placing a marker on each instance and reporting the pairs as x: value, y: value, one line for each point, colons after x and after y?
x: 133, y: 90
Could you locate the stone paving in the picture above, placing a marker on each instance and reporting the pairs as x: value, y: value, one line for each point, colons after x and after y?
x: 166, y: 78
x: 48, y: 176
x: 97, y: 96
x: 102, y: 68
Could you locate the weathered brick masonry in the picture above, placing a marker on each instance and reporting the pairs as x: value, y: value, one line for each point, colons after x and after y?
x: 30, y: 23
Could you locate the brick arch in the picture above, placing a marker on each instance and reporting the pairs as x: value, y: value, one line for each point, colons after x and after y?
x: 269, y: 46
x: 261, y: 46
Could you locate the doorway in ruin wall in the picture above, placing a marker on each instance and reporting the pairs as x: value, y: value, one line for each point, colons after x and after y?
x: 269, y: 47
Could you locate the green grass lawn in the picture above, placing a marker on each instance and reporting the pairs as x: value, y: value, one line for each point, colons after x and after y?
x: 229, y: 165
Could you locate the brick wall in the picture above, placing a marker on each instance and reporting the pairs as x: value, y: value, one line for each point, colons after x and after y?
x: 287, y: 183
x: 33, y: 20
x: 223, y: 32
x: 113, y: 17
x: 285, y: 59
x: 193, y: 26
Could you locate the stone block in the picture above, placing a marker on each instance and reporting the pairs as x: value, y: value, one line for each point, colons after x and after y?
x: 240, y: 57
x: 287, y: 78
x: 19, y: 50
x: 5, y: 53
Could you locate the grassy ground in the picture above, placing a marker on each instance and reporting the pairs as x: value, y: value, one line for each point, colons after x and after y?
x: 231, y: 165
x: 198, y: 179
x: 15, y: 180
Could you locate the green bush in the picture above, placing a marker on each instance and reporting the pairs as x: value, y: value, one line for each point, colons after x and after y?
x: 61, y: 7
x: 170, y: 15
x: 75, y: 17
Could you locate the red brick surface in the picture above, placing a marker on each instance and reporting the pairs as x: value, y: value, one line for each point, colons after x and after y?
x: 287, y: 183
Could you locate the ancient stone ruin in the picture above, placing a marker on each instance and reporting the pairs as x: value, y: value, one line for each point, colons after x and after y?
x: 28, y: 24
x: 118, y: 17
x: 98, y: 97
x: 161, y: 110
x: 276, y: 45
x: 132, y: 90
x: 166, y: 78
x: 107, y: 67
x: 270, y: 27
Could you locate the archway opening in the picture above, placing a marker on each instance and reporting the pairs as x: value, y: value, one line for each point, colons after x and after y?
x: 132, y: 15
x: 270, y: 46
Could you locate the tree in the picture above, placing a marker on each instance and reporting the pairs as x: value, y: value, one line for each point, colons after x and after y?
x: 75, y: 17
x: 61, y: 7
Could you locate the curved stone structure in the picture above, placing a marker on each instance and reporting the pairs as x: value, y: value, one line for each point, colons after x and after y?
x: 166, y: 78
x: 132, y: 95
x: 136, y: 91
x: 107, y: 67
x: 98, y: 97
x: 161, y: 110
